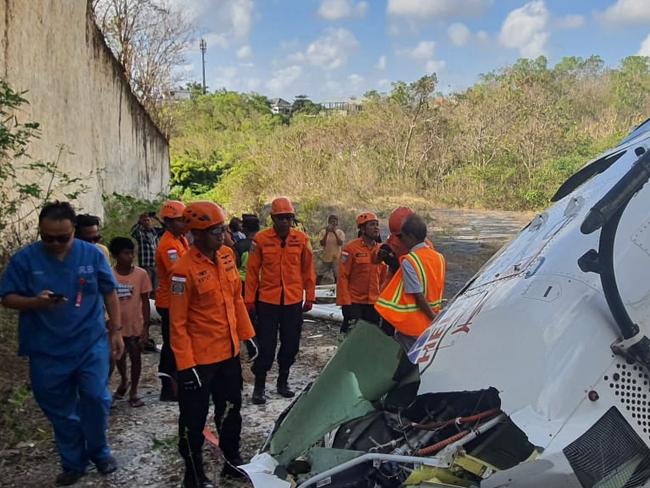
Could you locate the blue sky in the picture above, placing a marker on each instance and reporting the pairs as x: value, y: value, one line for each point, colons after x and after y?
x: 335, y: 49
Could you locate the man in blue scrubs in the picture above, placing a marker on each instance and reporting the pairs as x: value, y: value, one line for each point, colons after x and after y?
x: 60, y: 286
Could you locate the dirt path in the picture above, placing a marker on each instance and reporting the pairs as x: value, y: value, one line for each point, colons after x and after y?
x: 144, y: 439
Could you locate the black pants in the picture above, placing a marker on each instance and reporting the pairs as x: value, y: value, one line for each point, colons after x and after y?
x: 223, y: 382
x: 287, y: 319
x: 358, y: 311
x: 167, y: 364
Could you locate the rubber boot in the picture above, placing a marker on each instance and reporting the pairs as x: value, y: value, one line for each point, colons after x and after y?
x: 283, y: 384
x: 194, y: 474
x: 259, y: 397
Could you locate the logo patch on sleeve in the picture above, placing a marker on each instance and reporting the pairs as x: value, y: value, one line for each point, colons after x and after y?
x: 344, y: 256
x: 178, y: 285
x: 172, y: 254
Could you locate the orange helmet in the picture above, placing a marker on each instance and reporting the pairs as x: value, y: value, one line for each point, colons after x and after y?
x: 172, y: 209
x: 201, y: 215
x: 366, y: 217
x: 282, y: 205
x: 397, y: 218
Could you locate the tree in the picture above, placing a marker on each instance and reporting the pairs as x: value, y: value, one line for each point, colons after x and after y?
x: 149, y: 40
x: 26, y: 184
x: 632, y: 84
x: 303, y: 105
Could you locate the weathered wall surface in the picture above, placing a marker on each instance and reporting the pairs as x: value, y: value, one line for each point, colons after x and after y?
x: 78, y: 94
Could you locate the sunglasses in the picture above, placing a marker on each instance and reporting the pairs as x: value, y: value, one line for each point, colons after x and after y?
x: 284, y: 217
x: 61, y: 239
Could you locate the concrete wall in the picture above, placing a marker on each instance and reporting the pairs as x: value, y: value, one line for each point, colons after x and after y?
x: 78, y: 94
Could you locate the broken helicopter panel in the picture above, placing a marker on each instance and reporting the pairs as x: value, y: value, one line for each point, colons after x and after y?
x: 535, y: 375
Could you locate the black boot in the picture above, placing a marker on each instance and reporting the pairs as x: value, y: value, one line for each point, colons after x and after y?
x: 168, y: 391
x: 230, y: 468
x: 194, y: 475
x: 283, y: 385
x: 258, y: 391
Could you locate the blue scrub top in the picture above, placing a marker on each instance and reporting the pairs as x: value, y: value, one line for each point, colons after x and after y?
x: 68, y: 329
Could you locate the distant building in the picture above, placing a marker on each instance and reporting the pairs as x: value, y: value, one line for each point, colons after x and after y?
x: 348, y: 107
x: 280, y: 106
x: 180, y: 94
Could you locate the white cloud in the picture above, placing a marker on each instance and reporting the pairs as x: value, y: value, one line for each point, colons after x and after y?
x: 383, y: 83
x: 282, y: 79
x: 424, y: 50
x: 244, y: 52
x: 628, y: 12
x: 525, y: 29
x: 418, y: 9
x: 333, y: 86
x: 330, y: 51
x: 187, y: 68
x: 459, y: 34
x: 381, y: 63
x: 227, y: 78
x: 222, y: 21
x: 434, y: 66
x: 253, y: 84
x: 215, y: 39
x: 644, y: 50
x: 355, y: 79
x: 241, y: 12
x: 482, y: 36
x: 342, y: 9
x: 572, y: 21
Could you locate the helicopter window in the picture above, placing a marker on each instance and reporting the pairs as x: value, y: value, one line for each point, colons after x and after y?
x: 585, y: 174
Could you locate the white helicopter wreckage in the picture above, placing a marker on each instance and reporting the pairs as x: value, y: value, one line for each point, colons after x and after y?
x: 535, y: 375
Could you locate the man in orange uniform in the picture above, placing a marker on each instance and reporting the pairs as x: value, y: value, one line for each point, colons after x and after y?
x: 413, y: 296
x: 280, y: 270
x: 208, y: 319
x: 172, y: 246
x: 360, y: 274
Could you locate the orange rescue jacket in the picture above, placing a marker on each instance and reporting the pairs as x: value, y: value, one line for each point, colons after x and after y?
x: 279, y: 272
x: 360, y: 274
x: 207, y: 314
x: 169, y: 251
x: 399, y: 308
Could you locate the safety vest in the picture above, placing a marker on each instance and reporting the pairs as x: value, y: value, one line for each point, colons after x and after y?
x: 398, y: 307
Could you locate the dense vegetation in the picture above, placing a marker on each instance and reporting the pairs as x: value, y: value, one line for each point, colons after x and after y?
x: 506, y: 142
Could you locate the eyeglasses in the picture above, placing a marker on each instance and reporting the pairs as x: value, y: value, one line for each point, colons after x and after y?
x: 284, y: 217
x: 60, y: 239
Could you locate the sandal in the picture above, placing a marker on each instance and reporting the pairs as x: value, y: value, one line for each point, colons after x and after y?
x: 119, y: 393
x: 136, y: 402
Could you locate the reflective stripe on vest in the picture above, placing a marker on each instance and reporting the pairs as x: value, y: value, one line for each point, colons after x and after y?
x: 399, y: 308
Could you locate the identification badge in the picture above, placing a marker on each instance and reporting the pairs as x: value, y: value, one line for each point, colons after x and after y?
x: 178, y: 285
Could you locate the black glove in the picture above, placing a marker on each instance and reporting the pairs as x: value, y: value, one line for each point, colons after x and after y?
x: 252, y: 348
x: 387, y: 255
x: 189, y: 379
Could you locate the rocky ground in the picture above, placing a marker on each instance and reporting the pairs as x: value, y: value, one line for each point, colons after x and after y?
x: 144, y: 439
